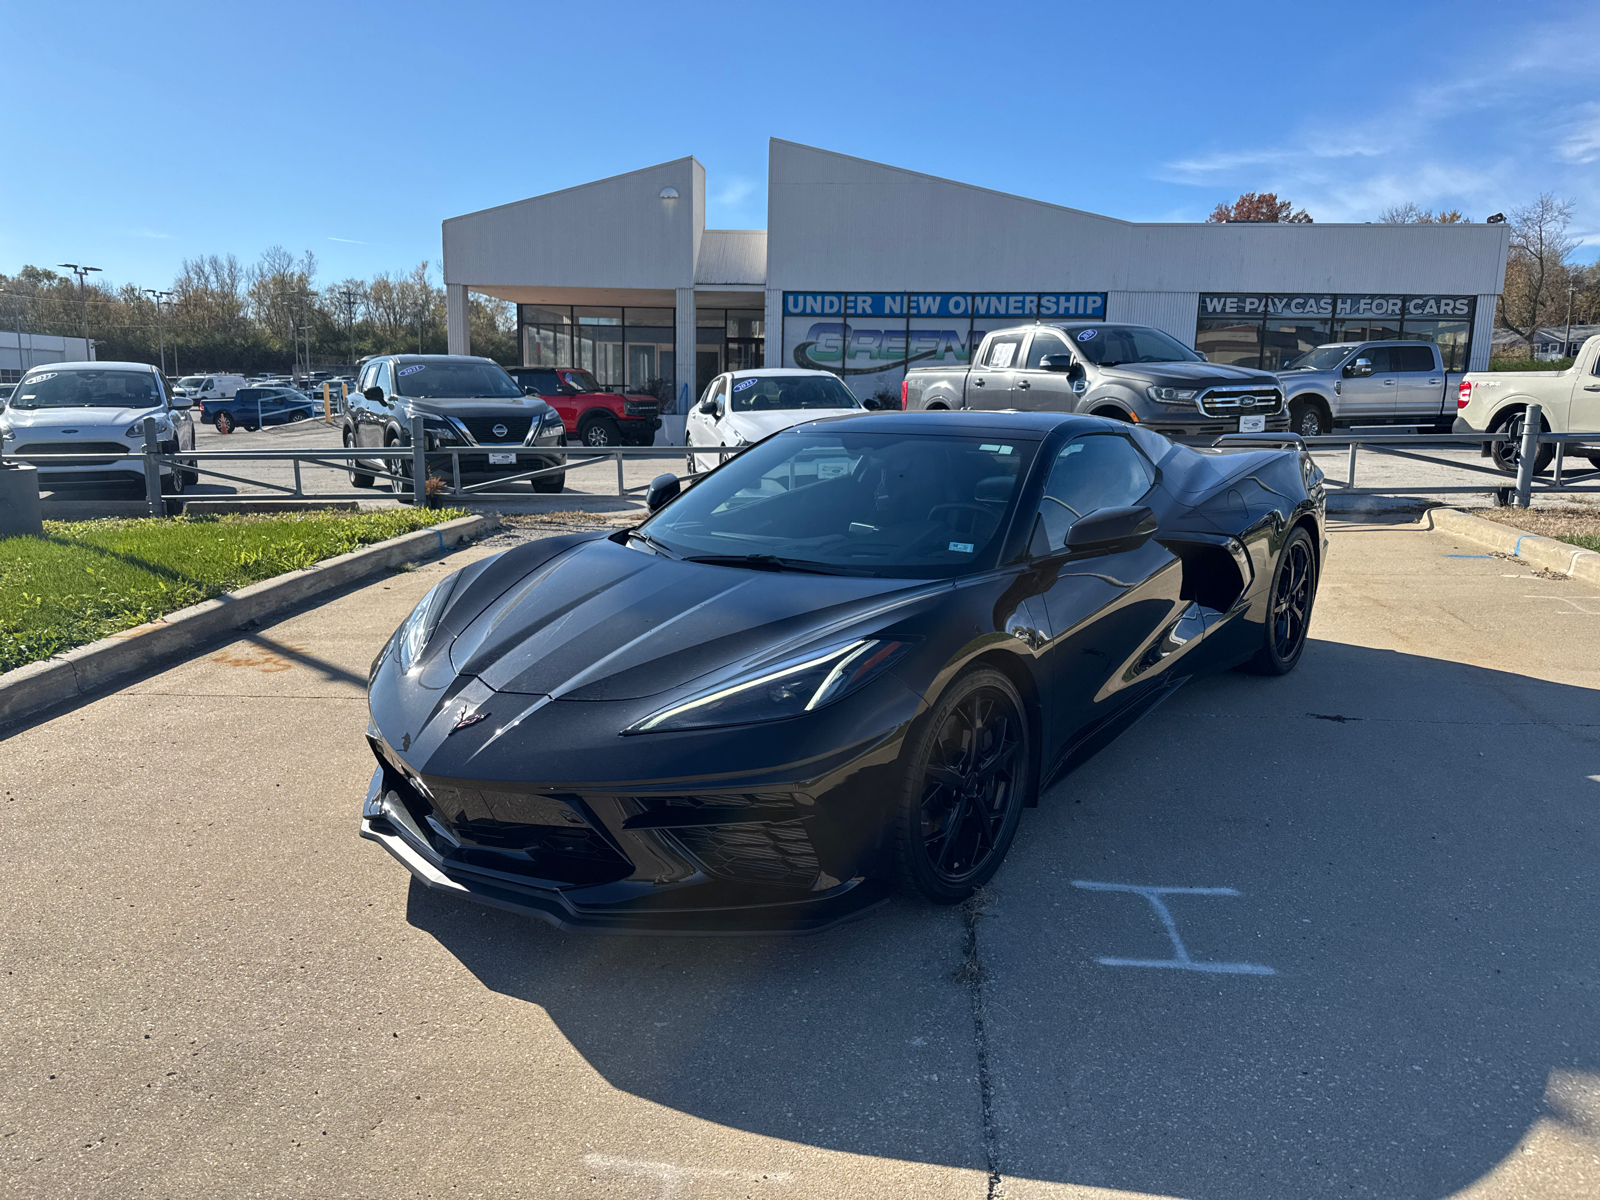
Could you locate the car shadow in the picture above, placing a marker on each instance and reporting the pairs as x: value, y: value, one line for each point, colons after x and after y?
x: 1411, y: 847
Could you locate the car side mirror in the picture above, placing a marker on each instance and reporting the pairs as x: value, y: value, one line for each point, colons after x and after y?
x: 662, y: 488
x: 1056, y: 362
x: 172, y: 402
x: 374, y: 393
x: 1360, y: 369
x: 708, y: 407
x: 1111, y: 530
x: 871, y: 404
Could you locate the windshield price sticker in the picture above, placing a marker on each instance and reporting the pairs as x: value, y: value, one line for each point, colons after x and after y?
x: 404, y: 371
x: 42, y: 378
x: 995, y: 448
x: 1087, y: 334
x: 961, y: 547
x: 832, y: 468
x: 744, y: 383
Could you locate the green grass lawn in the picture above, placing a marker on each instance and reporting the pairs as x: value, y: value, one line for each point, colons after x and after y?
x: 88, y: 579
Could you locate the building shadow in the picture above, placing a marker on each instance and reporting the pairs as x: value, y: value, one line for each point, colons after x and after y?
x: 1413, y: 847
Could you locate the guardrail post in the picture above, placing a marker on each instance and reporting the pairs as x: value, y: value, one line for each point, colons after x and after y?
x: 622, y: 490
x: 419, y: 464
x: 152, y: 469
x: 1351, y: 482
x: 1531, y: 420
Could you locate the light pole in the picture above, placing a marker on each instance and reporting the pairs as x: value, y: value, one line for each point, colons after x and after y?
x: 83, y: 291
x: 161, y: 329
x: 1572, y: 290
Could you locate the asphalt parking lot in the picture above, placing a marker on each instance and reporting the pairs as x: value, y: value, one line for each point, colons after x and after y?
x: 1389, y: 986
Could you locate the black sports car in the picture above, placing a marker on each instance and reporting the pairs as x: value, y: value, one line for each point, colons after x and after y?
x: 849, y: 656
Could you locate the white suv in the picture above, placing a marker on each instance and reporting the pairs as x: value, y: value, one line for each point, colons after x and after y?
x: 94, y: 408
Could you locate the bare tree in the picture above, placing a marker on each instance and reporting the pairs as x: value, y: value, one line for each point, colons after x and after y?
x: 1264, y: 207
x: 1411, y: 213
x: 1536, y: 270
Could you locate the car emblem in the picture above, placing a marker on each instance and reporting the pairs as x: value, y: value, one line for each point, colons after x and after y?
x: 1247, y: 402
x: 464, y: 718
x: 499, y: 431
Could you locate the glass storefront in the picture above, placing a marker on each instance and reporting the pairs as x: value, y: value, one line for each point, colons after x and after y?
x: 626, y: 349
x: 870, y: 338
x: 727, y: 339
x: 1266, y: 331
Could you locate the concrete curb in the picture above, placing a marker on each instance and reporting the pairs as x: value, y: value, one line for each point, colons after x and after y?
x: 1545, y: 553
x: 85, y: 668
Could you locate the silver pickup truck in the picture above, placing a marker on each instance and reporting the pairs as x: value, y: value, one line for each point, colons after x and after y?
x: 1130, y: 372
x: 1367, y: 383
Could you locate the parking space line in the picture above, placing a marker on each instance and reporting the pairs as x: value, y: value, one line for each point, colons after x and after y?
x: 1180, y: 960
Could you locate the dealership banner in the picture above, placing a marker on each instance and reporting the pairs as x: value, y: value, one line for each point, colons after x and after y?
x: 1318, y: 305
x: 1091, y: 305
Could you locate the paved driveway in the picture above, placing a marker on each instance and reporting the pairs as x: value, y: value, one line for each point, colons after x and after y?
x: 212, y: 988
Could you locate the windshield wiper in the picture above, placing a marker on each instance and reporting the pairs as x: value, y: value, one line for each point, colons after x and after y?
x: 659, y: 547
x: 769, y: 562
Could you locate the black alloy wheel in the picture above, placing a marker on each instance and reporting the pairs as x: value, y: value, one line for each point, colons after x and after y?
x: 966, y: 786
x: 600, y: 432
x: 225, y: 423
x: 395, y: 466
x: 1306, y: 419
x: 358, y: 479
x: 1294, y: 591
x: 1507, y: 455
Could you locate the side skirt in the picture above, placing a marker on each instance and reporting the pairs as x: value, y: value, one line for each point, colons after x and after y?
x: 1100, y: 735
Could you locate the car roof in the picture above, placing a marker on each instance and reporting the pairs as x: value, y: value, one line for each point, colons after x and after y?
x: 94, y: 366
x: 439, y: 358
x: 769, y: 371
x: 968, y: 421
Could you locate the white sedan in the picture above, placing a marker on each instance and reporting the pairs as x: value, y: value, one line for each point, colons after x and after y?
x: 740, y: 407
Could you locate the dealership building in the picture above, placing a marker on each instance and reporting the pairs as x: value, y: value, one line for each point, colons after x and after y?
x: 864, y: 269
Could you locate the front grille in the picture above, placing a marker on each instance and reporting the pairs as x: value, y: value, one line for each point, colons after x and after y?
x: 70, y: 448
x: 1236, y: 401
x: 482, y: 428
x: 640, y: 408
x: 775, y: 853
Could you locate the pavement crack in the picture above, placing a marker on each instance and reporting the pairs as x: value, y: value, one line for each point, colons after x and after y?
x: 971, y: 974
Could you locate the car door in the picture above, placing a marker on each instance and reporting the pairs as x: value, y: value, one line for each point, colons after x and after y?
x: 1419, y: 382
x: 1036, y: 388
x: 990, y: 382
x: 375, y: 413
x: 1099, y: 611
x: 1368, y: 397
x: 702, y: 428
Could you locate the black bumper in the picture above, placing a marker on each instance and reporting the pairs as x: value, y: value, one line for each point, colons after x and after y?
x: 699, y: 906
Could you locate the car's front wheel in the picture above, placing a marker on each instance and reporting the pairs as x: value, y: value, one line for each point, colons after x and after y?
x: 600, y: 431
x: 1294, y: 590
x: 968, y: 777
x: 1307, y: 418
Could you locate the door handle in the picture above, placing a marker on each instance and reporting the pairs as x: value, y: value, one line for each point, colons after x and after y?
x: 1024, y: 385
x: 977, y: 382
x: 1591, y: 387
x: 1388, y: 383
x: 1436, y: 382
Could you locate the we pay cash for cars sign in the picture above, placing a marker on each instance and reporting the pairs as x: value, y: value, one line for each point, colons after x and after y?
x: 1318, y: 305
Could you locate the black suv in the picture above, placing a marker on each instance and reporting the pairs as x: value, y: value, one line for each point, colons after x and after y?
x: 466, y: 404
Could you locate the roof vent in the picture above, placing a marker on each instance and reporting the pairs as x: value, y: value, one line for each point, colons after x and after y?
x: 669, y: 193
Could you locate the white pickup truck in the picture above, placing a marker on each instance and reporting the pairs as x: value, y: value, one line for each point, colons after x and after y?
x: 1491, y: 401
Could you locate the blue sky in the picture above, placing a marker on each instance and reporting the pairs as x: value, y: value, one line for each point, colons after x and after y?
x: 134, y: 136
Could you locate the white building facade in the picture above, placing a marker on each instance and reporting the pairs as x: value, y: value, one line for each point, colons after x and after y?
x: 864, y: 269
x: 19, y: 351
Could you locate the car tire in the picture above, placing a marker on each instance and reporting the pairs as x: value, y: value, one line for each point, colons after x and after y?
x: 395, y: 466
x: 599, y: 433
x: 225, y: 423
x: 358, y: 479
x: 548, y: 484
x: 1594, y: 460
x: 1309, y: 419
x: 968, y: 776
x: 1507, y: 455
x: 1289, y: 603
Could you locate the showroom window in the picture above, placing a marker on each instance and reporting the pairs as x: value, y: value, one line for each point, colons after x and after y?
x: 1267, y: 331
x: 626, y: 349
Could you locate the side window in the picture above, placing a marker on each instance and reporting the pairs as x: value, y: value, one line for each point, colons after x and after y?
x: 717, y: 393
x: 1002, y: 352
x: 1378, y: 356
x: 1411, y: 358
x: 365, y: 381
x: 382, y: 378
x: 1098, y: 470
x: 208, y: 385
x: 1044, y: 343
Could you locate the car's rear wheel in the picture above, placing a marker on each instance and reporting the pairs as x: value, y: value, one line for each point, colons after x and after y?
x: 1294, y: 591
x: 1308, y: 419
x: 600, y: 431
x: 225, y: 423
x: 967, y: 780
x: 358, y: 479
x: 549, y: 483
x: 1507, y: 455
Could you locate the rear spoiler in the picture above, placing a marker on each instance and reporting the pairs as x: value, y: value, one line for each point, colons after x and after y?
x: 1259, y: 441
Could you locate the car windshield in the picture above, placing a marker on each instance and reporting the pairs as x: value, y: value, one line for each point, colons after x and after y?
x: 191, y: 381
x: 87, y: 389
x: 1323, y: 358
x: 772, y: 393
x: 895, y: 504
x: 581, y: 381
x: 1113, y: 345
x: 455, y: 381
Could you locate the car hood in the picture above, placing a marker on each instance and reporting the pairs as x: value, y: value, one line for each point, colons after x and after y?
x: 602, y: 621
x: 79, y: 418
x: 753, y: 426
x: 439, y: 406
x: 1192, y: 373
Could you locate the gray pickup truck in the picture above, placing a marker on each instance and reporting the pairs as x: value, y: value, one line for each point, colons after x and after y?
x: 1130, y: 372
x: 1368, y: 383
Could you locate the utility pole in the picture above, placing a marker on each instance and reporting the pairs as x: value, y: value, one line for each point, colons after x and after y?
x: 1572, y: 290
x: 83, y: 291
x: 161, y: 329
x: 350, y: 296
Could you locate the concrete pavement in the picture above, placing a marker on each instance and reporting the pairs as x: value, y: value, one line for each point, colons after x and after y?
x: 213, y: 988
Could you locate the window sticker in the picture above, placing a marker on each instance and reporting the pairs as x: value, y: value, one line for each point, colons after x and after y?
x: 404, y: 371
x: 995, y: 448
x: 1000, y: 356
x: 42, y: 378
x: 744, y: 383
x: 961, y: 547
x: 1087, y: 334
x: 1072, y: 449
x: 832, y: 468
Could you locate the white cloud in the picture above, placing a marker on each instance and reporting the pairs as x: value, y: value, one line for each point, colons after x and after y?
x: 349, y: 241
x: 150, y: 233
x: 1582, y: 145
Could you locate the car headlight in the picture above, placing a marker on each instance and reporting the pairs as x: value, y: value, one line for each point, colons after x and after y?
x: 136, y: 430
x: 549, y: 425
x: 1166, y: 395
x: 786, y: 689
x: 424, y: 619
